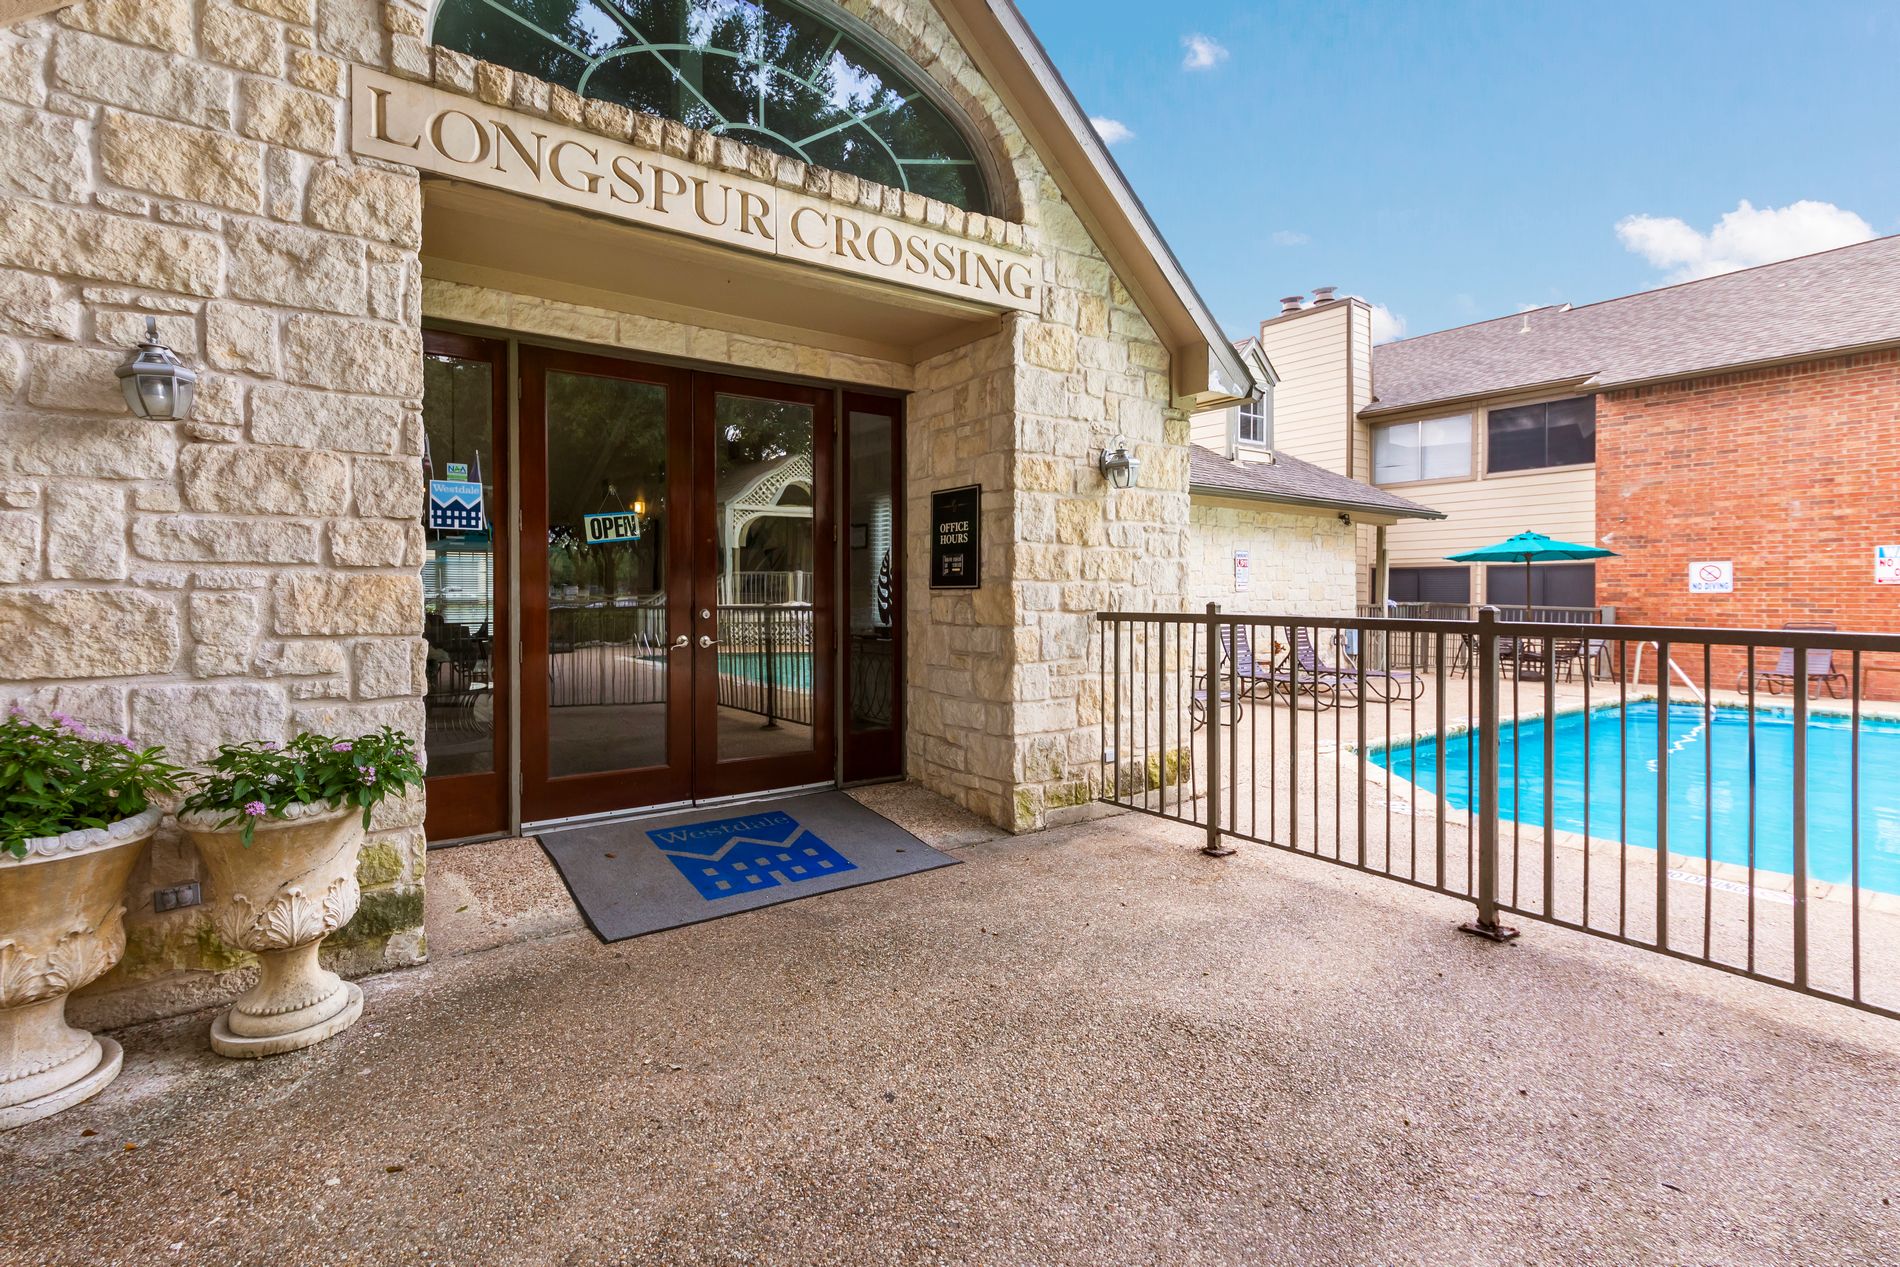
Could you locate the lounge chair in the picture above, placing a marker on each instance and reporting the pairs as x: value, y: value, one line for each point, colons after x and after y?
x: 1820, y: 668
x: 1237, y: 645
x: 1381, y: 684
x: 1276, y: 679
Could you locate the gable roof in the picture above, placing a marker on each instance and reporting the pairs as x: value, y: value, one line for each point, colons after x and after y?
x: 1828, y: 302
x: 1293, y: 482
x: 1208, y: 372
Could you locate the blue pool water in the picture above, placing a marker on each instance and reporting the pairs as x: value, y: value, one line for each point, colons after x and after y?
x: 1708, y: 766
x: 792, y: 668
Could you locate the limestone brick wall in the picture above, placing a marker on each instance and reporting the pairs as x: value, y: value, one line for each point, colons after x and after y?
x: 1300, y: 563
x: 250, y: 573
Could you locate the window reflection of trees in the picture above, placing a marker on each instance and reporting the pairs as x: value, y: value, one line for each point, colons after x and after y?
x: 767, y: 72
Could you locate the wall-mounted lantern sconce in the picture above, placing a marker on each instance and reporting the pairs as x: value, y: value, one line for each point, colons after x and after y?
x: 156, y: 383
x: 1118, y: 463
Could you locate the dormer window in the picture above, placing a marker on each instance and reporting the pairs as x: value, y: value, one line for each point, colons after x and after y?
x: 1256, y: 420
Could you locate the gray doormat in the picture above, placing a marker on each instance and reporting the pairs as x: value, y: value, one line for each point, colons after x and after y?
x: 671, y: 870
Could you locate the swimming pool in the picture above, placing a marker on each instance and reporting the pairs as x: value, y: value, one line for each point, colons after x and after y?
x: 1711, y: 758
x: 792, y: 669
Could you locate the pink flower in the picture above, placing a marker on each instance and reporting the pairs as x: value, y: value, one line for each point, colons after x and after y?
x: 339, y: 747
x: 257, y: 809
x: 273, y: 747
x: 367, y: 773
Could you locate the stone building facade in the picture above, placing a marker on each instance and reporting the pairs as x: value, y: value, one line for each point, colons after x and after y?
x: 253, y: 572
x: 1300, y: 563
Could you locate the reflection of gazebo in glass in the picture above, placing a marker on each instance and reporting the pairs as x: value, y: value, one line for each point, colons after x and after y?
x: 766, y: 544
x: 765, y: 532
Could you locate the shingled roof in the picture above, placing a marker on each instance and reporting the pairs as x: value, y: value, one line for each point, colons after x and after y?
x: 1829, y: 302
x: 1293, y: 482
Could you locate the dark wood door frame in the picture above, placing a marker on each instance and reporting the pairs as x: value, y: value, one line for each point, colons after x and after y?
x: 462, y: 805
x: 875, y: 754
x: 478, y: 804
x: 544, y: 796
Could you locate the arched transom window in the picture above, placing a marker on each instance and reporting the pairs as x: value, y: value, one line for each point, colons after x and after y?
x: 769, y: 72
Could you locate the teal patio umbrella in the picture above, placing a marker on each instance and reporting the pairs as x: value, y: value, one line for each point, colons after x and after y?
x: 1528, y: 548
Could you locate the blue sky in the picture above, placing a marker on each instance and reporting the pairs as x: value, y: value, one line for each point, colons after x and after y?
x: 1457, y: 161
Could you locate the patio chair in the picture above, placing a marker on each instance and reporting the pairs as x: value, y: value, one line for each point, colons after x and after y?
x: 1276, y: 677
x: 1381, y: 684
x: 1820, y: 668
x: 1237, y: 645
x: 1566, y: 654
x: 1524, y: 657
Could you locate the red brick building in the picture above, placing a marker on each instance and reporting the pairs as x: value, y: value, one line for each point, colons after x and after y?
x: 1750, y: 420
x: 1791, y: 473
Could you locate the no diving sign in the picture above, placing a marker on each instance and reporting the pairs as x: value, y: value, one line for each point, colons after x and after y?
x: 1712, y: 577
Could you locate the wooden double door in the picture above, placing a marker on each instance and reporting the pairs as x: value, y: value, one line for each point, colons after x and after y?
x: 677, y: 622
x: 677, y: 602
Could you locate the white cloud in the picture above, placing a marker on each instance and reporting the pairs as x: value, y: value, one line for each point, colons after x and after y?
x: 1112, y: 131
x: 1742, y: 238
x: 1290, y: 237
x: 1202, y: 52
x: 1386, y: 324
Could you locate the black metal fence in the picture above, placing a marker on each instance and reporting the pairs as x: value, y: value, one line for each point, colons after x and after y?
x: 618, y: 655
x: 765, y: 661
x: 1730, y: 797
x: 606, y: 655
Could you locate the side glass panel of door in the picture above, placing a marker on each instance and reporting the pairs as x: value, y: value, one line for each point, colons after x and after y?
x: 458, y: 578
x: 767, y: 564
x: 608, y: 521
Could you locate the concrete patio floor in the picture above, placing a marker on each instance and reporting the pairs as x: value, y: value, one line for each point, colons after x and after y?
x: 1089, y: 1046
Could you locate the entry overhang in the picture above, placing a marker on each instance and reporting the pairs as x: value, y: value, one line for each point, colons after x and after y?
x: 510, y: 242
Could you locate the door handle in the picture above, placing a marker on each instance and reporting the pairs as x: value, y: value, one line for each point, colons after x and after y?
x: 679, y: 643
x: 707, y: 640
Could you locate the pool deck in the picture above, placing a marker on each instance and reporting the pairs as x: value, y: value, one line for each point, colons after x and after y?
x: 1599, y: 883
x: 1088, y: 1047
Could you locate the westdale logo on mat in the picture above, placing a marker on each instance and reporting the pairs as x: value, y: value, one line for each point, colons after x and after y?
x: 748, y: 854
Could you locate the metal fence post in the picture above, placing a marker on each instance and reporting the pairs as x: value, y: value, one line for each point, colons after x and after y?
x: 1489, y: 686
x: 1214, y: 848
x: 771, y: 669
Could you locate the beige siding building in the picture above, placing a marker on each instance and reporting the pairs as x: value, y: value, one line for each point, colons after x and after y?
x: 1333, y: 408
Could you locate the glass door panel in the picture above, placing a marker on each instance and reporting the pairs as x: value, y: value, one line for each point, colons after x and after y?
x: 607, y: 574
x: 765, y: 566
x: 464, y: 586
x: 609, y: 720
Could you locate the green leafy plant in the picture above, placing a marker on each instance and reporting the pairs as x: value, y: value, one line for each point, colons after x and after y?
x: 62, y: 777
x: 249, y: 783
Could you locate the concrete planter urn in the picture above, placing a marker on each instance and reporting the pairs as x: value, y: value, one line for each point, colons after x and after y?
x: 62, y: 925
x: 278, y: 897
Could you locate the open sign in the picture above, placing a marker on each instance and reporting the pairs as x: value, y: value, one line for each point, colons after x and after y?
x: 618, y: 526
